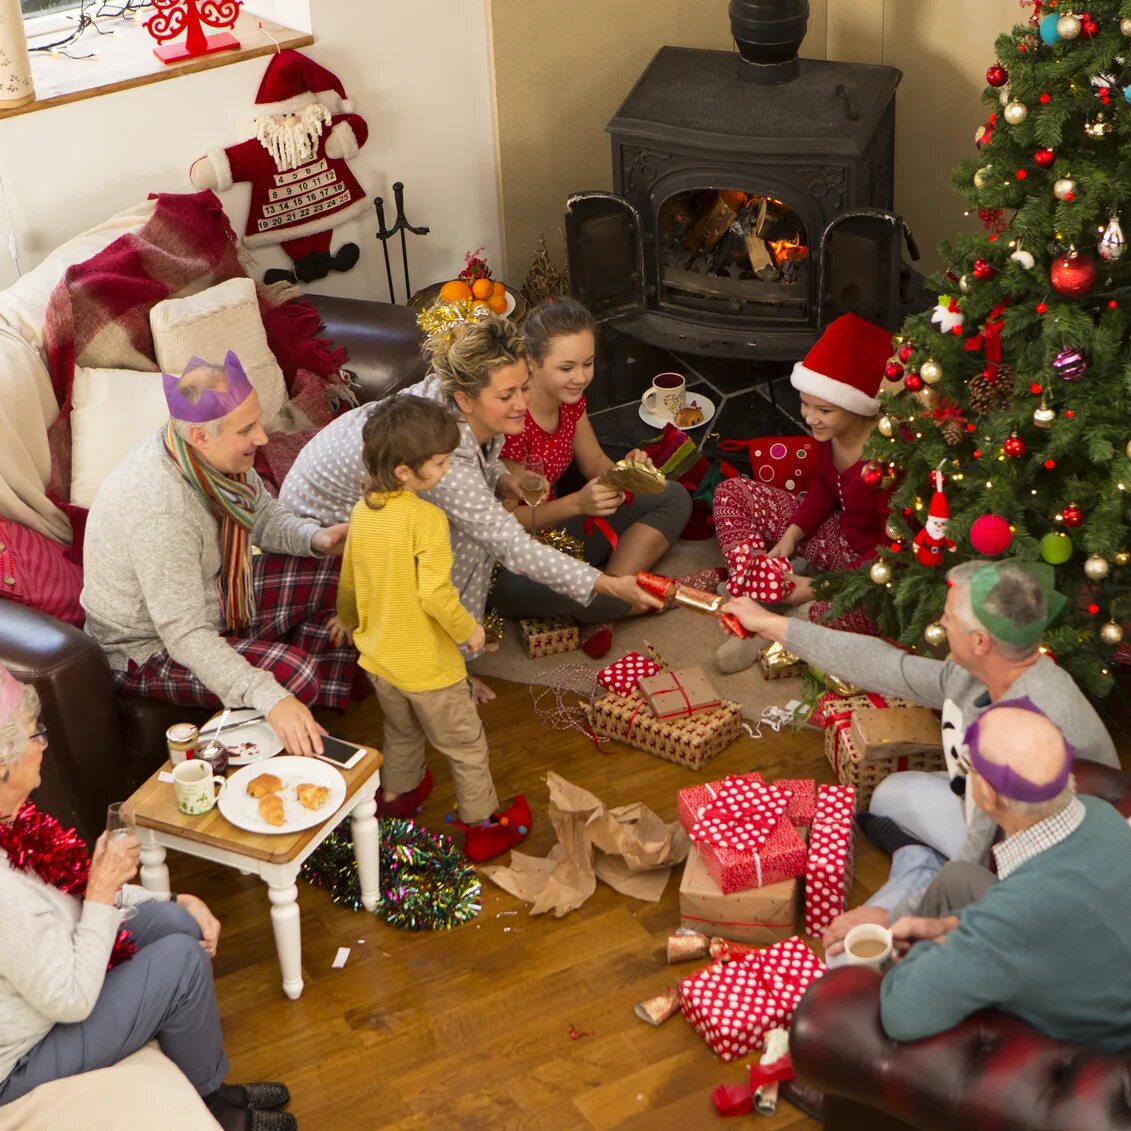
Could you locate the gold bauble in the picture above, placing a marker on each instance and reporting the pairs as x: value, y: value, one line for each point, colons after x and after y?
x: 1098, y: 128
x: 930, y: 371
x: 964, y: 284
x: 1096, y: 568
x: 892, y: 530
x: 1044, y: 416
x: 1068, y: 26
x: 1122, y: 558
x: 934, y: 634
x: 1111, y: 633
x: 1125, y: 26
x: 1015, y: 112
x: 880, y: 573
x: 1128, y: 449
x: 982, y: 176
x: 886, y: 426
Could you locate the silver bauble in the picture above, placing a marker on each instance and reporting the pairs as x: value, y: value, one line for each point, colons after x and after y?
x: 1068, y: 26
x: 1096, y: 568
x: 1015, y: 113
x: 891, y: 529
x: 886, y: 426
x: 1003, y: 96
x: 982, y: 176
x: 1064, y: 188
x: 880, y: 573
x: 1044, y: 416
x: 1024, y: 258
x: 964, y: 284
x: 934, y: 634
x: 1112, y: 245
x: 1111, y: 633
x: 930, y: 371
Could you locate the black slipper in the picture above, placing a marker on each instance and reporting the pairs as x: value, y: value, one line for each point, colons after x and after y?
x: 884, y: 833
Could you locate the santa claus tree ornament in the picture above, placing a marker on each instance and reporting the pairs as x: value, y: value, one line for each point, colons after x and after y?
x: 1073, y: 275
x: 301, y: 185
x: 990, y: 535
x: 930, y: 542
x: 174, y: 16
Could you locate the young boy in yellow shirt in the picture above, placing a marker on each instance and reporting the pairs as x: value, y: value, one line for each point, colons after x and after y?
x: 397, y: 599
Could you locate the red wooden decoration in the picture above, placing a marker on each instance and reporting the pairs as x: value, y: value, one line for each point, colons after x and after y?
x: 175, y: 16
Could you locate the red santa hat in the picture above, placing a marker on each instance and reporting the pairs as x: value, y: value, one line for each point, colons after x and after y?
x: 939, y: 507
x: 293, y: 82
x: 846, y: 365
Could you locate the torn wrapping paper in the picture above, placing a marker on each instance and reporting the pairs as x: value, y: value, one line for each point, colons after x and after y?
x: 629, y: 848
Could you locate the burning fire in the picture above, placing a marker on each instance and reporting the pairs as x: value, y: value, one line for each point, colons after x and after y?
x: 785, y: 251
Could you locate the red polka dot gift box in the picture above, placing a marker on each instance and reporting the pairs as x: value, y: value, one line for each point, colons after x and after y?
x: 623, y: 676
x: 753, y: 574
x: 829, y: 869
x: 734, y: 1003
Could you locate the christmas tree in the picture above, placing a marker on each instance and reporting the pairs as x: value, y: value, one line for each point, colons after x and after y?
x: 1017, y: 386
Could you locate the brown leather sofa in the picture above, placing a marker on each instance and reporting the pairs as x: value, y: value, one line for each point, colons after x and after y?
x: 102, y: 744
x: 993, y: 1072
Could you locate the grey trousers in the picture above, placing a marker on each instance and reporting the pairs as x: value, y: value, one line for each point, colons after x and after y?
x: 958, y: 884
x: 514, y: 596
x: 165, y: 991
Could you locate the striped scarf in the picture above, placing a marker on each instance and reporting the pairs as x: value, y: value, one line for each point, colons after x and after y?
x: 232, y: 502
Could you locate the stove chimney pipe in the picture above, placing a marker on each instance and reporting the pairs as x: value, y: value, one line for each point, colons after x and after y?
x: 769, y: 35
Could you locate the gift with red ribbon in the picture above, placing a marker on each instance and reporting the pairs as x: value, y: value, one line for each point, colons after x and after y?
x: 753, y: 915
x: 623, y: 676
x: 733, y: 1004
x: 678, y: 694
x: 829, y: 868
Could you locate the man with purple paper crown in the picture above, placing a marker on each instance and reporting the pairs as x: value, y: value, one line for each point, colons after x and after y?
x: 175, y: 593
x: 1050, y: 940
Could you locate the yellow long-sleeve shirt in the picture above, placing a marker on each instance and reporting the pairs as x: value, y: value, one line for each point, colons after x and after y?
x: 396, y: 594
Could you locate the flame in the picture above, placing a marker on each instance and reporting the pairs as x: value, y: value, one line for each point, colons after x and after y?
x: 784, y: 251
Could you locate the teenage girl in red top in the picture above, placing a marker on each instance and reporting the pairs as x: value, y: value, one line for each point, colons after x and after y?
x: 561, y: 345
x: 840, y: 521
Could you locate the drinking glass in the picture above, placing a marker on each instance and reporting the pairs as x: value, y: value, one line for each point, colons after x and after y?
x: 119, y: 825
x: 535, y: 487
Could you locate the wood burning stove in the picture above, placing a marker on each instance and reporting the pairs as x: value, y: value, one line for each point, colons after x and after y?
x: 744, y: 216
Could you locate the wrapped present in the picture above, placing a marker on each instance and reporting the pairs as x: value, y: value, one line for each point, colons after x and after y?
x: 829, y: 867
x: 742, y: 817
x: 802, y: 801
x: 623, y: 676
x: 895, y: 732
x: 690, y: 742
x: 677, y: 694
x: 550, y: 636
x: 753, y: 574
x: 852, y: 765
x: 692, y: 802
x: 755, y: 915
x: 733, y: 1004
x: 782, y: 857
x: 777, y: 662
x: 634, y: 475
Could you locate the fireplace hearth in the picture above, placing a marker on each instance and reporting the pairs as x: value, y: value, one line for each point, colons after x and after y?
x: 746, y: 213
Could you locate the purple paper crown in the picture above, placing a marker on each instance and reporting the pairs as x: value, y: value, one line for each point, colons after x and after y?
x: 213, y: 404
x: 1004, y: 779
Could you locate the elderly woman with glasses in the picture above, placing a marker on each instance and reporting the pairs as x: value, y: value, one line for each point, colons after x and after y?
x: 62, y: 1010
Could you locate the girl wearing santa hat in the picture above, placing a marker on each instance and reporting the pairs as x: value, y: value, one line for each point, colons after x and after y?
x: 840, y: 521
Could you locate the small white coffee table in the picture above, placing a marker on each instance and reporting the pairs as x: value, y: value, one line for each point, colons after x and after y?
x: 276, y: 859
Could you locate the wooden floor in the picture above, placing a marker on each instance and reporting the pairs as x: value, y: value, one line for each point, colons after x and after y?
x: 505, y: 1022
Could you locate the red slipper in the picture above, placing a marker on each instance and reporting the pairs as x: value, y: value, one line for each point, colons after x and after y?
x: 498, y: 834
x: 406, y: 805
x: 597, y: 639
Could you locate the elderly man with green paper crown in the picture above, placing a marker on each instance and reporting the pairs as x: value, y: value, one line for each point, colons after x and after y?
x: 995, y: 616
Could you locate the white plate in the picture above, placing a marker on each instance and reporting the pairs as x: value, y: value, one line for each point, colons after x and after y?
x: 697, y: 399
x: 243, y: 811
x: 258, y: 737
x: 510, y: 305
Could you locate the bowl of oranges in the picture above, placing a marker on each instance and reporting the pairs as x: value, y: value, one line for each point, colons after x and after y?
x: 474, y: 284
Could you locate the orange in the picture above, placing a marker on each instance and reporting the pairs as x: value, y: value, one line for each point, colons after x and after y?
x: 498, y: 303
x: 481, y: 288
x: 497, y: 288
x: 454, y: 291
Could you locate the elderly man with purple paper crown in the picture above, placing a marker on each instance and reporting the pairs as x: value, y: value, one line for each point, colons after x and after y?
x: 175, y: 593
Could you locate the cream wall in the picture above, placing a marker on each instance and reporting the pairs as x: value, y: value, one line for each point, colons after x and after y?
x: 423, y: 86
x: 562, y: 70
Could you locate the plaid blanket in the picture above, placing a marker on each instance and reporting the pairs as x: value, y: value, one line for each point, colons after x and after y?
x: 98, y: 316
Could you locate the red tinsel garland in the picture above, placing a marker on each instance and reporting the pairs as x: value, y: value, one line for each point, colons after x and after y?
x: 37, y: 843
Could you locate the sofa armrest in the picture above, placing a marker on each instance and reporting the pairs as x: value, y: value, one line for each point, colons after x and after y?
x: 83, y: 770
x: 1104, y: 781
x: 991, y: 1070
x: 381, y: 338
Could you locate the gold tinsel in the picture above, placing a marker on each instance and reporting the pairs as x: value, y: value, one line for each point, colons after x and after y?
x: 439, y: 319
x: 564, y: 542
x: 987, y: 395
x: 493, y: 627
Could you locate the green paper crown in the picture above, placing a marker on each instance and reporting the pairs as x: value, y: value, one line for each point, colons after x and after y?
x: 985, y: 581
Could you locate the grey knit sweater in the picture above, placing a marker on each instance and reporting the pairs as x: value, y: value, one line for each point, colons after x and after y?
x: 151, y: 560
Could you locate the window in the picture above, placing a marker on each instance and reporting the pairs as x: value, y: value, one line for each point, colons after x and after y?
x: 43, y: 7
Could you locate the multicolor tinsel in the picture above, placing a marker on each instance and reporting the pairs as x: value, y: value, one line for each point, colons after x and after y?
x: 37, y: 843
x: 426, y: 884
x: 440, y: 319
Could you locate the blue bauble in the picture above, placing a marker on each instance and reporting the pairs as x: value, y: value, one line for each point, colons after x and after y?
x: 1048, y: 30
x: 1127, y: 93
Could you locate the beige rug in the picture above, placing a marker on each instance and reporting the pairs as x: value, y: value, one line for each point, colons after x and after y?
x: 683, y: 638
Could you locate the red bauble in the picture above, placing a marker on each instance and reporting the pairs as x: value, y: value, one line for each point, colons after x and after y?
x: 1014, y: 447
x: 1073, y: 275
x: 893, y: 371
x: 1089, y: 26
x: 1044, y: 157
x: 982, y: 269
x: 997, y: 75
x: 872, y: 474
x: 905, y: 352
x: 913, y: 382
x: 990, y: 535
x: 1072, y: 515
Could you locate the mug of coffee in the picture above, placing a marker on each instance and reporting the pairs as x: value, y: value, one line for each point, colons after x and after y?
x: 868, y: 944
x: 667, y: 395
x: 196, y: 786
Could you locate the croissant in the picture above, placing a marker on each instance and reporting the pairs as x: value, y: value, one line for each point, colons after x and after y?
x: 263, y: 785
x: 271, y: 809
x: 312, y: 796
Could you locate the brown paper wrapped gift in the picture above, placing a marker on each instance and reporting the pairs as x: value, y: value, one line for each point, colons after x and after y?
x: 757, y: 915
x: 690, y: 742
x: 777, y: 662
x: 550, y: 636
x: 893, y: 732
x: 677, y: 694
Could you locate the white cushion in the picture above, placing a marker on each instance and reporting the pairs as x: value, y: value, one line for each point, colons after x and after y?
x: 211, y: 322
x: 112, y: 411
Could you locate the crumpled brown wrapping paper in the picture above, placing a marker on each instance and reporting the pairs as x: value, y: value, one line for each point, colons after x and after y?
x: 629, y: 848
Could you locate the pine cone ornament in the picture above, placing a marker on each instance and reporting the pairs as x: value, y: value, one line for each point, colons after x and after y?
x: 988, y: 396
x: 952, y: 431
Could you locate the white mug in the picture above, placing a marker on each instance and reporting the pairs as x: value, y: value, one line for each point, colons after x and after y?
x: 196, y: 787
x: 868, y: 944
x: 667, y: 395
